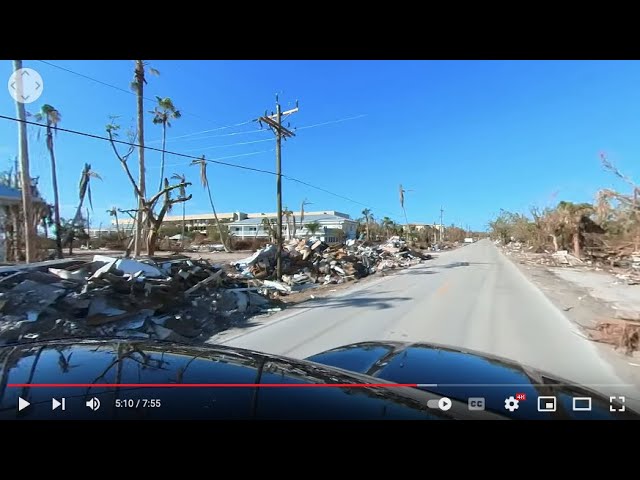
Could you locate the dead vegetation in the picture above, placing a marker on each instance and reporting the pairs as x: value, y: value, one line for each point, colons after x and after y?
x: 603, y: 236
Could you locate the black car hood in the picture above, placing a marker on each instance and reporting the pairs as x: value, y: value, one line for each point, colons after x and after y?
x: 124, y: 376
x: 462, y: 374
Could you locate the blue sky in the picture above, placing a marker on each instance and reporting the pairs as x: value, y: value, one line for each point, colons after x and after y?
x: 472, y: 136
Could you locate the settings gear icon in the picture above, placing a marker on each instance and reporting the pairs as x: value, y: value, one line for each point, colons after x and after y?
x: 511, y: 404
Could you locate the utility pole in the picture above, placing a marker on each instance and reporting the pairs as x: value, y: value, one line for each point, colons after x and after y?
x: 23, y: 150
x: 140, y: 81
x: 275, y: 122
x: 441, y: 225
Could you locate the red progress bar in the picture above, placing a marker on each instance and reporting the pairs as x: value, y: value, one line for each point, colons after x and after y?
x: 210, y: 385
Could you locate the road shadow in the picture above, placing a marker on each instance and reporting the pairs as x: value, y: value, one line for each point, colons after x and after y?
x: 411, y: 272
x: 416, y: 269
x: 351, y: 301
x: 463, y: 264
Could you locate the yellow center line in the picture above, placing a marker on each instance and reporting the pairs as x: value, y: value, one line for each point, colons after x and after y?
x: 443, y: 288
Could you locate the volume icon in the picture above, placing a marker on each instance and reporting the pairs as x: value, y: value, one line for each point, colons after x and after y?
x: 93, y: 404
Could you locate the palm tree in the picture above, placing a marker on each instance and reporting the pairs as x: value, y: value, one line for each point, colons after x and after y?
x: 205, y: 183
x: 164, y: 111
x: 313, y: 227
x: 52, y: 117
x: 113, y: 212
x: 182, y: 194
x: 304, y: 202
x: 402, y: 191
x: 387, y: 224
x: 367, y: 218
x: 573, y: 217
x: 84, y: 190
x: 288, y: 213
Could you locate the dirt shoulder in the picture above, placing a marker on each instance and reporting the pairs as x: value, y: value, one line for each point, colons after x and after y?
x: 587, y: 297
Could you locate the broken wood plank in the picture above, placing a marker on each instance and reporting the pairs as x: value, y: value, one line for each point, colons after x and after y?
x: 206, y: 281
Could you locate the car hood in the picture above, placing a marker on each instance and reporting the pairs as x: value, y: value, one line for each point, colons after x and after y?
x: 123, y: 379
x: 464, y: 374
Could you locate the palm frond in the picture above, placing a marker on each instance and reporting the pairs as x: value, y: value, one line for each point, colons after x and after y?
x: 89, y: 194
x: 153, y: 71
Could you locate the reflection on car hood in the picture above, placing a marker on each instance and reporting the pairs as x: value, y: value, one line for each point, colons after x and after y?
x: 462, y: 374
x: 80, y: 371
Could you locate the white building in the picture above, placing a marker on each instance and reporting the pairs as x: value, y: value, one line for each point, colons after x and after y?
x: 249, y: 225
x: 333, y: 226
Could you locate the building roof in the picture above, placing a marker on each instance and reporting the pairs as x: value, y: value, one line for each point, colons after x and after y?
x: 307, y: 219
x: 10, y: 194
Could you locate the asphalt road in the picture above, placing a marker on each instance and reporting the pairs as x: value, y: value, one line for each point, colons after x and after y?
x: 472, y: 297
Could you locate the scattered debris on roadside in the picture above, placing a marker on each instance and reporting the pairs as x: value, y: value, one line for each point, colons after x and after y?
x: 625, y: 267
x: 176, y: 298
x: 620, y: 332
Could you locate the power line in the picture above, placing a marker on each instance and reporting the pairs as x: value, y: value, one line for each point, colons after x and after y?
x: 219, y: 158
x: 130, y: 144
x: 115, y: 87
x: 229, y: 145
x: 193, y: 157
x: 355, y: 117
x: 248, y: 132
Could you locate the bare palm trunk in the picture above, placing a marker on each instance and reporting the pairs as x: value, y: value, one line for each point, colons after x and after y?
x: 118, y: 228
x: 576, y: 244
x: 164, y: 142
x: 56, y: 199
x: 215, y: 215
x: 183, y: 215
x: 141, y: 180
x: 29, y: 232
x: 554, y: 238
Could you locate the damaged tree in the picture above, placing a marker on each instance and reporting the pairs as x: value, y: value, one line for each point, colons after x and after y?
x: 151, y: 221
x: 77, y: 223
x: 628, y: 211
x: 164, y: 111
x: 205, y: 183
x: 51, y: 117
x: 113, y: 212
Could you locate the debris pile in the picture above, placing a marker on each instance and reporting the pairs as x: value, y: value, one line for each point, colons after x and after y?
x: 624, y: 268
x: 307, y: 263
x: 175, y: 298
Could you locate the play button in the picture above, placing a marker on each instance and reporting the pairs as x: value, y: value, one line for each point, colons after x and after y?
x: 22, y: 404
x: 444, y: 404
